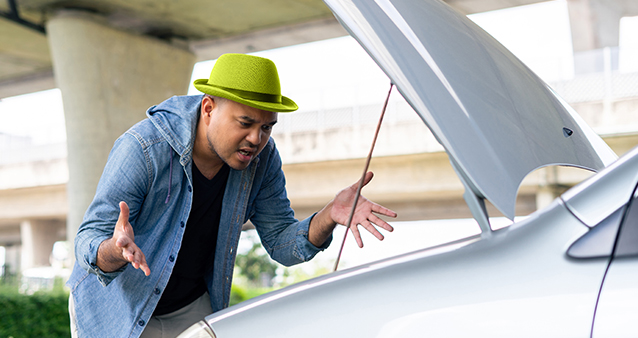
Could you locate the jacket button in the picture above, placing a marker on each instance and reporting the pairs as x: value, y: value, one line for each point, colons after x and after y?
x: 181, y: 224
x: 140, y: 323
x: 157, y: 291
x: 190, y: 189
x: 171, y: 258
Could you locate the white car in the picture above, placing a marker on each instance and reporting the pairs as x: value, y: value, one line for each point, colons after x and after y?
x: 568, y: 270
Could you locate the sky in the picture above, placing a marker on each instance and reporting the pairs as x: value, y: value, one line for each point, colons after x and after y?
x: 39, y: 115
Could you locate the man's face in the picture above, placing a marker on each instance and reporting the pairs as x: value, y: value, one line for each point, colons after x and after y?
x: 238, y: 133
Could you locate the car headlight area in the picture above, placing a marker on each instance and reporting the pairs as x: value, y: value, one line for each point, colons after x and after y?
x: 198, y: 330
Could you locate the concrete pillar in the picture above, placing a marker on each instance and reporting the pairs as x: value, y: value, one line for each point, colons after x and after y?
x: 12, y: 259
x: 595, y: 24
x: 37, y: 238
x: 108, y: 79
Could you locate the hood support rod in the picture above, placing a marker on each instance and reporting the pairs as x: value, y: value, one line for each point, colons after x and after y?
x: 365, y: 171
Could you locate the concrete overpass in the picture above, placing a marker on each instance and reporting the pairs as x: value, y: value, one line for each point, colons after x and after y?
x: 207, y: 29
x: 417, y: 181
x: 105, y: 56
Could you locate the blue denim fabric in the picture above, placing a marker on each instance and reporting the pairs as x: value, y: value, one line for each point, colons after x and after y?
x: 149, y: 168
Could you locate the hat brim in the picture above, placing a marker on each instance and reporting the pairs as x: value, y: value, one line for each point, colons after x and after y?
x: 287, y: 105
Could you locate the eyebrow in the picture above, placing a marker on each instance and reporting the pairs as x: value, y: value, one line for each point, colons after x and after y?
x: 252, y: 120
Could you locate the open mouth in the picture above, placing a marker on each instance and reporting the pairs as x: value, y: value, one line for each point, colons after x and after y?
x: 245, y: 155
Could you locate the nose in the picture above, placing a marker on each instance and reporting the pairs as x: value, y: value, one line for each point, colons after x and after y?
x: 254, y: 137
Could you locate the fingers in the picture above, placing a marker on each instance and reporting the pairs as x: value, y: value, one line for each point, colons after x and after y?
x: 145, y: 269
x: 125, y: 240
x: 124, y: 213
x: 366, y: 180
x: 382, y: 210
x: 140, y: 263
x: 136, y: 257
x: 364, y: 213
x: 370, y: 225
x: 371, y: 229
x: 357, y: 235
x: 380, y: 223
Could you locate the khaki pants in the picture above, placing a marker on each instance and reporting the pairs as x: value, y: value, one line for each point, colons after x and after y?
x: 165, y: 326
x: 74, y: 328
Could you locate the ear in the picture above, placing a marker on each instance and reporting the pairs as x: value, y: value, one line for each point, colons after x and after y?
x: 207, y: 106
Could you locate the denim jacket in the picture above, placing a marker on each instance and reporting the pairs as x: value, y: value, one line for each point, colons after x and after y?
x: 149, y: 168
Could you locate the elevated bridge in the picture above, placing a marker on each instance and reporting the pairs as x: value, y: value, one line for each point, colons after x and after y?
x: 103, y: 53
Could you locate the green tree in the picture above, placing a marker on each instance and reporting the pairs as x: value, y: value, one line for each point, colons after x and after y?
x: 256, y: 266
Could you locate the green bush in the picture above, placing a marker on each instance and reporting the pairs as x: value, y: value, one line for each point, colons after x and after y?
x: 239, y: 293
x: 43, y: 314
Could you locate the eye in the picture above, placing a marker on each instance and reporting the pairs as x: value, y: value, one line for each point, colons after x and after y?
x: 244, y: 124
x: 267, y: 128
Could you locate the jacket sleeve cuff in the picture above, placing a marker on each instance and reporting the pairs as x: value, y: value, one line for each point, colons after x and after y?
x: 309, y: 250
x: 90, y: 262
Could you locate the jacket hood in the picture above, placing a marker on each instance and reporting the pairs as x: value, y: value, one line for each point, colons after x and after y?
x: 176, y: 119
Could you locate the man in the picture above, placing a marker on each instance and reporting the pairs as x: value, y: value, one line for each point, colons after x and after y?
x: 173, y: 197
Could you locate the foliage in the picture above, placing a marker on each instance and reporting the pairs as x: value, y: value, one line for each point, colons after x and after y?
x: 239, y: 293
x: 43, y: 314
x: 297, y: 274
x: 256, y: 266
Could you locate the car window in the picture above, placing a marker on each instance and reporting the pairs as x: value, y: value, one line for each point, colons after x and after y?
x: 598, y: 242
x: 627, y: 244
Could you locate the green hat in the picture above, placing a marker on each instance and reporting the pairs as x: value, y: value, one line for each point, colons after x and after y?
x: 249, y: 80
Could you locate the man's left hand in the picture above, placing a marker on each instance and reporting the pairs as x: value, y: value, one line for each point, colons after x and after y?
x: 338, y: 212
x: 364, y: 213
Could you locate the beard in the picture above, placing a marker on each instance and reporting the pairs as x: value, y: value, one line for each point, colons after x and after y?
x: 213, y: 150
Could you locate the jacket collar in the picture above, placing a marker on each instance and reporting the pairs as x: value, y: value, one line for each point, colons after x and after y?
x: 176, y: 119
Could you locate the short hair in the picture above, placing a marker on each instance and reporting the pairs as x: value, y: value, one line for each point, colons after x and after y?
x: 218, y: 100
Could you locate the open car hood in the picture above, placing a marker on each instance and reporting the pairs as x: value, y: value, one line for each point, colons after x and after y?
x: 495, y: 118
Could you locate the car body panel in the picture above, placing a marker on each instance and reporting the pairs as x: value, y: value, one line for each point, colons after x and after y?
x: 395, y: 298
x: 603, y: 215
x: 498, y: 122
x: 582, y: 199
x: 495, y: 118
x: 520, y: 282
x: 617, y: 308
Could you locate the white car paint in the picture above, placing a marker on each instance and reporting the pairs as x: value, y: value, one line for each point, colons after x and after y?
x: 498, y: 122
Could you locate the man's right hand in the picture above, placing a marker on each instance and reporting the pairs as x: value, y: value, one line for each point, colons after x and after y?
x: 121, y: 248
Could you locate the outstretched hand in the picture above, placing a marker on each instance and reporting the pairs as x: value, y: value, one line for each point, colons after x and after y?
x: 121, y: 248
x: 364, y: 214
x: 124, y: 239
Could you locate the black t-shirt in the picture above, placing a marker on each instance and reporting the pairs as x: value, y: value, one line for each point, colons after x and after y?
x: 197, y: 253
